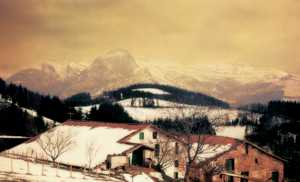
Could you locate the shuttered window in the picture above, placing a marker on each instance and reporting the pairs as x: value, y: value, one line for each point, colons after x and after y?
x: 229, y: 166
x: 176, y: 163
x: 154, y: 135
x: 157, y: 150
x: 275, y: 176
x: 141, y: 136
x: 176, y: 148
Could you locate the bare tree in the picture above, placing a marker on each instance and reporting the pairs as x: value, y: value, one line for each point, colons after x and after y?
x: 166, y: 155
x: 210, y: 169
x: 191, y: 120
x: 55, y: 143
x: 91, y: 153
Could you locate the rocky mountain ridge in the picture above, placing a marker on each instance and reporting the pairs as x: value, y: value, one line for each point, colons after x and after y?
x: 236, y: 84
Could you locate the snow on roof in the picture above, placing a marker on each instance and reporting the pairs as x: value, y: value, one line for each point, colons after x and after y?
x: 212, y: 145
x: 105, y: 138
x: 238, y: 132
x: 152, y: 91
x: 210, y: 151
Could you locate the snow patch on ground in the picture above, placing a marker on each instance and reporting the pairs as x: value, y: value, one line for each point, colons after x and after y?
x: 137, y: 178
x: 12, y: 137
x: 158, y: 103
x: 34, y: 114
x: 152, y: 91
x: 86, y: 109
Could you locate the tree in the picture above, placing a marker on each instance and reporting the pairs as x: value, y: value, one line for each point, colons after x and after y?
x: 55, y: 143
x: 191, y: 122
x: 210, y: 169
x: 166, y: 155
x: 91, y: 152
x: 40, y: 123
x: 111, y: 112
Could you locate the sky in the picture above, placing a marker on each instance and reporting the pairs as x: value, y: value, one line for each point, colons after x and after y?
x: 255, y: 32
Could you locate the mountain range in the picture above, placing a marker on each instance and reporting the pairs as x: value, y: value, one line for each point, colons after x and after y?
x: 236, y: 84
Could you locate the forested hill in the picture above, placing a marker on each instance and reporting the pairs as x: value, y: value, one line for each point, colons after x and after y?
x: 48, y: 106
x: 165, y: 92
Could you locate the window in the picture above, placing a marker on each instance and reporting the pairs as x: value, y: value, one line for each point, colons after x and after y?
x: 256, y: 161
x: 229, y: 165
x: 141, y: 136
x: 176, y: 163
x: 244, y: 173
x: 176, y: 148
x: 154, y: 135
x: 157, y: 150
x: 176, y: 175
x: 275, y: 176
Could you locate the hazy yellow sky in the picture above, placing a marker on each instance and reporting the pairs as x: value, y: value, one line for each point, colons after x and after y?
x: 255, y: 32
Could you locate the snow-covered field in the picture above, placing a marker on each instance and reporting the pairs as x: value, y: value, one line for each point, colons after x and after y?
x: 169, y: 109
x: 35, y: 172
x: 138, y: 178
x: 158, y: 102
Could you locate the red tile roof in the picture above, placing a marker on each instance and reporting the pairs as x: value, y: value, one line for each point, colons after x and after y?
x: 95, y: 124
x: 215, y: 140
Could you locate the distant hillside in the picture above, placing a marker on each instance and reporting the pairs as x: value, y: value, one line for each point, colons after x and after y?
x: 165, y: 92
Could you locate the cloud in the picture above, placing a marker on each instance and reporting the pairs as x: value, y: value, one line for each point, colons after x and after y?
x: 260, y: 33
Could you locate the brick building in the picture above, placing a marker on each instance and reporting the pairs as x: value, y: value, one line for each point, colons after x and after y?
x: 243, y: 162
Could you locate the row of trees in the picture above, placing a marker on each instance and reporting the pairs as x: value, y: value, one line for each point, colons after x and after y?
x: 48, y: 106
x: 285, y: 109
x: 179, y: 95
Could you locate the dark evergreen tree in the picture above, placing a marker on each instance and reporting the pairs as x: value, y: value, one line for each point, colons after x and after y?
x: 40, y: 124
x: 110, y: 112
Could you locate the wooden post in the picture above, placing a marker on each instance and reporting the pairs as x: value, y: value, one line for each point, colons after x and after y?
x: 71, y: 171
x: 84, y: 172
x: 57, y: 165
x: 11, y: 164
x: 28, y: 168
x: 43, y: 169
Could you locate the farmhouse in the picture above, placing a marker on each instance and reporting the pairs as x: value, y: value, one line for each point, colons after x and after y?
x: 104, y: 145
x: 244, y: 161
